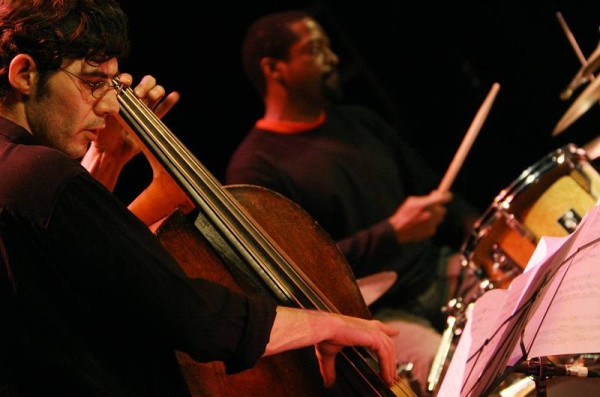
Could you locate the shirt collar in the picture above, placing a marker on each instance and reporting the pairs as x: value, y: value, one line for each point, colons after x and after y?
x: 289, y: 127
x: 14, y: 132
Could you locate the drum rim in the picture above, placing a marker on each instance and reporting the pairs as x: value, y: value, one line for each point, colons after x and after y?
x: 571, y: 151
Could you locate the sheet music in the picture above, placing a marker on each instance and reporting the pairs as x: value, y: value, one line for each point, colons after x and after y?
x: 571, y: 322
x: 545, y: 249
x: 536, y: 310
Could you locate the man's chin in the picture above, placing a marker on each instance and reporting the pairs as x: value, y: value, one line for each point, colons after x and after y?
x: 77, y: 152
x: 333, y: 94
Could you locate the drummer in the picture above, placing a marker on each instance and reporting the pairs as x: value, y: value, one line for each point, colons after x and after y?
x: 352, y: 172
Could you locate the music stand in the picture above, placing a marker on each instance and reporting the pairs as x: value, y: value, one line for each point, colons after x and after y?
x: 509, y: 326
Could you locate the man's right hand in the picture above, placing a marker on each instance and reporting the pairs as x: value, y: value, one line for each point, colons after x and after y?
x: 418, y: 217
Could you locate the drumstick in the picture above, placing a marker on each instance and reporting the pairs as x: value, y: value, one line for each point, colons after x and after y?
x: 469, y: 138
x: 571, y: 39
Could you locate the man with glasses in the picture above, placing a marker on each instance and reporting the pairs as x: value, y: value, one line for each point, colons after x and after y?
x: 91, y: 304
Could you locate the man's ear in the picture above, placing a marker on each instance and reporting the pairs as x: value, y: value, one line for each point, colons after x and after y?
x: 270, y: 68
x: 22, y: 73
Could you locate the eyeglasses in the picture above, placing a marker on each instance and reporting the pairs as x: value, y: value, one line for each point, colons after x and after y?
x: 99, y: 88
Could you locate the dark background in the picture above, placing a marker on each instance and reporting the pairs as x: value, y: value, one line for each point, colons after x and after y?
x: 426, y: 68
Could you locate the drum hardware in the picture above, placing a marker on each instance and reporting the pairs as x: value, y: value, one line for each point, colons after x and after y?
x: 406, y: 370
x: 570, y: 220
x: 558, y: 376
x: 541, y: 370
x: 456, y: 309
x: 504, y: 265
x: 543, y: 367
x: 513, y: 223
x: 520, y: 388
x: 441, y: 356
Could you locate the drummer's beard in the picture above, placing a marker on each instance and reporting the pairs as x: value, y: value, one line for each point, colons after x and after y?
x: 332, y: 86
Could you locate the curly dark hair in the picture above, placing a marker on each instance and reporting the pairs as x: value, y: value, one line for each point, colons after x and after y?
x: 268, y: 36
x: 51, y: 31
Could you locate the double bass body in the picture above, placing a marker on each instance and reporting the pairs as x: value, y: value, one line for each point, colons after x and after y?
x: 294, y: 373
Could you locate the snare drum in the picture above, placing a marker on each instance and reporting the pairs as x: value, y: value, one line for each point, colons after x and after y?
x: 548, y: 199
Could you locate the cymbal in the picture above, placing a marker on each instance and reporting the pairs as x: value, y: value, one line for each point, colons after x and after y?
x: 584, y: 74
x: 582, y: 104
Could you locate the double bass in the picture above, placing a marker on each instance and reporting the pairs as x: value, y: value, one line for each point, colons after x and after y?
x: 254, y: 240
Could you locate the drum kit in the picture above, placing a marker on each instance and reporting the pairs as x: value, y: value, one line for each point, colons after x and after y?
x: 548, y: 198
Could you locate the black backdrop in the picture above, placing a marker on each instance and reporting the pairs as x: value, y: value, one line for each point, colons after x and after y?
x: 426, y: 68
